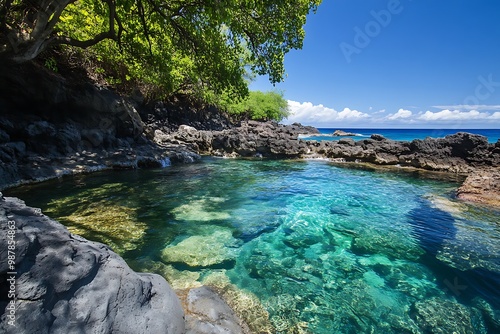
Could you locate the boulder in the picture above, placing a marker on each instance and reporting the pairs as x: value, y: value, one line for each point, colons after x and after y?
x: 468, y: 146
x: 67, y: 284
x: 160, y: 137
x: 18, y: 148
x: 187, y: 128
x: 207, y: 312
x: 304, y: 129
x: 347, y: 141
x: 202, y: 250
x: 440, y: 316
x: 127, y: 120
x: 41, y: 128
x: 252, y: 138
x: 68, y: 138
x: 457, y: 153
x: 391, y: 244
x: 339, y: 133
x: 377, y: 137
x: 93, y: 138
x: 481, y: 186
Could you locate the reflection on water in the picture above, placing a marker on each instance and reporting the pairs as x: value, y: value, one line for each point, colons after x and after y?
x: 311, y: 247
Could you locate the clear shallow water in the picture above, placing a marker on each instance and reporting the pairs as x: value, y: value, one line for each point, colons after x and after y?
x: 325, y: 249
x: 405, y: 134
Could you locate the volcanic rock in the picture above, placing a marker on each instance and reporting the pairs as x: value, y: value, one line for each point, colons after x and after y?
x: 67, y: 284
x: 481, y: 186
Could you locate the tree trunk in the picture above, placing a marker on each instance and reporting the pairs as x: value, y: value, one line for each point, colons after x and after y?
x: 32, y: 32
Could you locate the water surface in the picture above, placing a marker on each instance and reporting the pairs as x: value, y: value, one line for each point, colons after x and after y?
x: 493, y: 135
x: 324, y: 249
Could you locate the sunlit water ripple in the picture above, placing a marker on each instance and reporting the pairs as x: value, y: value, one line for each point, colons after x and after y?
x: 325, y: 249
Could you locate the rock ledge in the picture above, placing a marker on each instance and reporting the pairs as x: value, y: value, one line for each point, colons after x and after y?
x: 67, y: 284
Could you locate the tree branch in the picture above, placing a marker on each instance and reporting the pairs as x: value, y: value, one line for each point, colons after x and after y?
x: 140, y: 9
x: 110, y: 34
x: 86, y: 43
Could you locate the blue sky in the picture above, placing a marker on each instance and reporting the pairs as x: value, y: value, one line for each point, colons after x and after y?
x: 396, y: 64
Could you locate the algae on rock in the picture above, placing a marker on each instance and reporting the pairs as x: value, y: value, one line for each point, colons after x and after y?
x: 203, y: 250
x: 440, y: 316
x: 178, y: 279
x: 244, y: 303
x: 92, y: 214
x: 201, y: 210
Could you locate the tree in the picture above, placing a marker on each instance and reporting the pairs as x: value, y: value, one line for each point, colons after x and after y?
x: 215, y: 40
x: 260, y: 106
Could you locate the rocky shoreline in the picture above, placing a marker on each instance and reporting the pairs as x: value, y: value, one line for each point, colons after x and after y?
x: 52, y: 126
x: 92, y: 290
x: 462, y: 153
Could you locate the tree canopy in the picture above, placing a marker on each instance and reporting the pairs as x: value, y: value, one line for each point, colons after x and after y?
x: 260, y: 106
x: 169, y: 43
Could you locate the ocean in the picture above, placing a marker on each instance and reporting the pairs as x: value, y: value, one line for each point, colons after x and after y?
x: 298, y: 246
x: 493, y: 135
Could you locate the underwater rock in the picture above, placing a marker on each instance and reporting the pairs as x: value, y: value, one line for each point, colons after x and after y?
x: 201, y: 210
x: 202, y: 250
x: 178, y: 279
x: 67, y: 284
x: 454, y: 208
x: 472, y: 248
x: 302, y: 234
x: 115, y: 225
x: 440, y: 316
x: 206, y: 312
x: 245, y: 304
x: 389, y: 243
x: 491, y: 315
x: 339, y: 211
x: 460, y: 240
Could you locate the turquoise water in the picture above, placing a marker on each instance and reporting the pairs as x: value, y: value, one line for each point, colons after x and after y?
x: 325, y: 249
x: 406, y: 134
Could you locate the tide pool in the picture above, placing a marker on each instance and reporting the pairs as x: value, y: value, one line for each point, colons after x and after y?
x: 314, y: 247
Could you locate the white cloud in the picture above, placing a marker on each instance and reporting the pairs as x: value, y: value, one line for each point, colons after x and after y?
x: 453, y: 115
x: 307, y: 113
x: 401, y: 114
x: 351, y: 114
x: 466, y: 107
x: 496, y: 115
x: 322, y: 116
